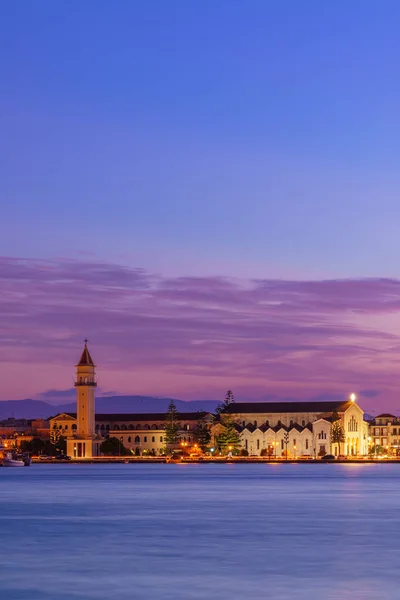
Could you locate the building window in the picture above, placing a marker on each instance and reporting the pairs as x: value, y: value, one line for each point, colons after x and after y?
x: 161, y: 439
x: 137, y: 440
x: 281, y: 444
x: 255, y: 423
x: 258, y: 444
x: 303, y: 423
x: 353, y: 425
x: 129, y: 439
x: 246, y: 444
x: 244, y: 423
x: 294, y: 442
x: 395, y: 431
x: 153, y: 439
x: 307, y: 444
x: 291, y: 422
x: 145, y: 439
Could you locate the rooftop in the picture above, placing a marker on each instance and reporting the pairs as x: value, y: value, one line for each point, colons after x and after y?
x: 288, y: 407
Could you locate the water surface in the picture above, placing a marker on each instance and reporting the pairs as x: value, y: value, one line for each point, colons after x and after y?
x: 205, y: 531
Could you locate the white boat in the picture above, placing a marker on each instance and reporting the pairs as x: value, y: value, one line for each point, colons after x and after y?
x: 9, y: 461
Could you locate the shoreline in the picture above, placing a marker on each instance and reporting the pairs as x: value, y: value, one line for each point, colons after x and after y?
x: 138, y: 461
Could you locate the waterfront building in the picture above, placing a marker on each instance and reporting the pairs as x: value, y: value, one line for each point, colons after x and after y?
x: 384, y: 434
x: 141, y: 433
x: 298, y: 428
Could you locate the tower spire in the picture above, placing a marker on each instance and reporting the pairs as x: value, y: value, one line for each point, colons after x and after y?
x: 86, y: 359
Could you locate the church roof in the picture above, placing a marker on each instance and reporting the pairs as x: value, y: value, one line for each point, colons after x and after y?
x: 86, y: 359
x: 287, y: 407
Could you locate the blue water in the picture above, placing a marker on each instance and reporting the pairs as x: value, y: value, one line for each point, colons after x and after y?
x: 179, y: 532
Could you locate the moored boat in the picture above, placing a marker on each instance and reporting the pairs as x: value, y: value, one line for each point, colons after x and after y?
x: 10, y: 461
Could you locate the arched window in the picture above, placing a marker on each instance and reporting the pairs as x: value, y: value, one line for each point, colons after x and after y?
x: 291, y: 423
x: 102, y: 427
x: 145, y: 439
x: 129, y: 439
x: 244, y: 423
x: 154, y: 426
x: 131, y: 426
x: 116, y: 427
x: 303, y: 423
x: 161, y: 438
x: 137, y: 440
x: 153, y: 439
x: 258, y: 444
x: 279, y: 423
x: 123, y: 427
x: 267, y: 423
x: 138, y: 427
x: 353, y: 425
x: 255, y: 423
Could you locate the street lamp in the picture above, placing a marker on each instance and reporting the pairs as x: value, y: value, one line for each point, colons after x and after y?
x: 294, y: 448
x: 353, y: 397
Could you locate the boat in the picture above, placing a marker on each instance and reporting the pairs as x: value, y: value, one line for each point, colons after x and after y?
x: 10, y: 461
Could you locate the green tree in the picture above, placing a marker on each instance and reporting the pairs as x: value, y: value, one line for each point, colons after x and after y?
x: 203, y: 435
x: 113, y: 447
x: 172, y: 426
x: 61, y: 445
x: 34, y: 446
x: 286, y: 442
x: 223, y: 406
x: 337, y: 432
x: 229, y: 438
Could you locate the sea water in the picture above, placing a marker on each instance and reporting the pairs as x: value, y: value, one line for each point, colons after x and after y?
x: 200, y: 531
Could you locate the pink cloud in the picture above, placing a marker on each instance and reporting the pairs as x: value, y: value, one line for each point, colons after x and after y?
x: 196, y: 336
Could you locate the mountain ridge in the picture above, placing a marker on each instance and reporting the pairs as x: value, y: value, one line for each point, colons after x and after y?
x: 31, y: 409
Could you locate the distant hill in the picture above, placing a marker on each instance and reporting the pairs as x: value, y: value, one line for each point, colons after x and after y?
x: 30, y: 409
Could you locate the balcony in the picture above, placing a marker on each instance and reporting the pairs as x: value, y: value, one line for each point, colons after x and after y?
x: 85, y: 383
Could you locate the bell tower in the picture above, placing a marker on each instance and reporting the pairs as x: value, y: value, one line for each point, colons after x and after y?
x: 85, y: 386
x: 84, y: 443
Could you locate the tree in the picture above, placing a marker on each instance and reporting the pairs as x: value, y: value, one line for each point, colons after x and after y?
x: 34, y: 446
x: 113, y: 447
x: 172, y: 426
x: 229, y: 438
x: 61, y: 445
x: 286, y: 442
x: 337, y: 432
x: 223, y: 406
x: 203, y: 435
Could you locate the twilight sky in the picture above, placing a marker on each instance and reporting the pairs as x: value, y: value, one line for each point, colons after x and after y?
x: 208, y: 190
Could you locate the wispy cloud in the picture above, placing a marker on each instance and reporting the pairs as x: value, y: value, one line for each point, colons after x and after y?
x: 198, y: 335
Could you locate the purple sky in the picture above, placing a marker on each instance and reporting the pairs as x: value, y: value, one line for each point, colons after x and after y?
x: 193, y: 337
x: 208, y: 190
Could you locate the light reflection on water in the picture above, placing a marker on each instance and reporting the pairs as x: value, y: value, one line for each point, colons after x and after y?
x: 178, y: 532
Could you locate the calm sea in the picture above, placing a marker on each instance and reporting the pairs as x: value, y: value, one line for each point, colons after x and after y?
x: 179, y: 532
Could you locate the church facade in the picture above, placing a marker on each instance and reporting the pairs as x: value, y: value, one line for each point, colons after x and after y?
x: 275, y: 429
x: 298, y: 429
